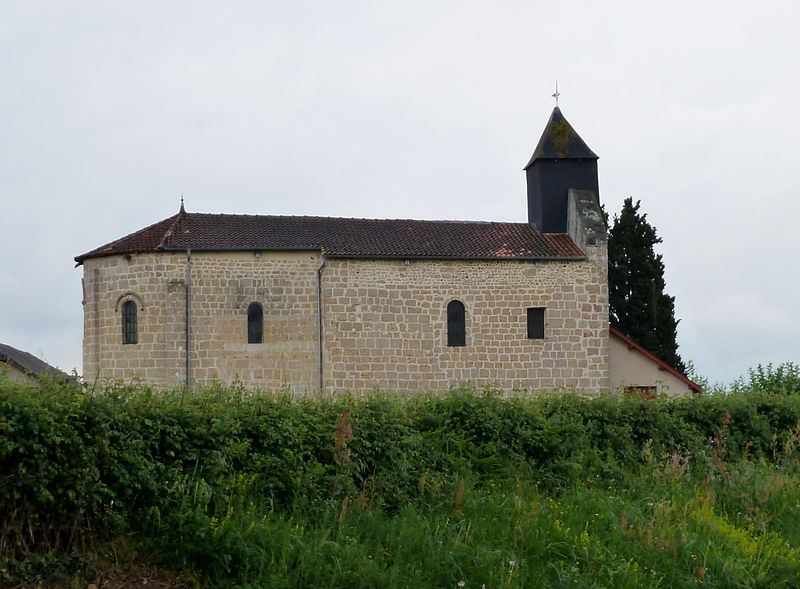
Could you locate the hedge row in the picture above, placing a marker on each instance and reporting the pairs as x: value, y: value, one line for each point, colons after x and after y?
x: 77, y: 464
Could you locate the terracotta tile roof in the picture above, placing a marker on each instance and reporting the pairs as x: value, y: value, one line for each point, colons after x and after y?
x: 340, y: 237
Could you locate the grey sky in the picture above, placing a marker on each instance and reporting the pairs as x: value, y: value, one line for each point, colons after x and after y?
x: 109, y: 110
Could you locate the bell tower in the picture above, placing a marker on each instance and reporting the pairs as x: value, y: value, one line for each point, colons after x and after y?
x: 561, y: 161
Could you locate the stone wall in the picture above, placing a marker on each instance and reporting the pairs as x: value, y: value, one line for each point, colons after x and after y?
x: 386, y: 324
x: 155, y: 283
x: 221, y: 286
x: 384, y: 321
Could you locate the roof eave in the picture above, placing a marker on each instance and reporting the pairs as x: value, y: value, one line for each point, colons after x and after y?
x: 80, y: 259
x: 536, y: 158
x: 460, y: 258
x: 351, y: 256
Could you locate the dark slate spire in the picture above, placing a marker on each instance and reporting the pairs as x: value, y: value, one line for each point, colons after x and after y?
x: 560, y: 141
x: 561, y: 161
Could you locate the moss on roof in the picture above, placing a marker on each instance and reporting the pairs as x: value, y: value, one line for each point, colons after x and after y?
x: 560, y: 141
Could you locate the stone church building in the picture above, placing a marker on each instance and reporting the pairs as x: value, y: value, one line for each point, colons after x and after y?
x: 340, y: 304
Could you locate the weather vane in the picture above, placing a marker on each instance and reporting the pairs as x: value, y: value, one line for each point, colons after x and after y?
x: 556, y: 94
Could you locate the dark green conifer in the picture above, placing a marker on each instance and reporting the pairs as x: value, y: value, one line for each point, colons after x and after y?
x: 638, y: 305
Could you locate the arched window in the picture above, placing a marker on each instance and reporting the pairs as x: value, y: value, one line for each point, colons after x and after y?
x: 456, y: 327
x: 130, y: 333
x: 255, y: 324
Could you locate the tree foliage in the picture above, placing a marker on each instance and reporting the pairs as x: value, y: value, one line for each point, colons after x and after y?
x: 638, y: 305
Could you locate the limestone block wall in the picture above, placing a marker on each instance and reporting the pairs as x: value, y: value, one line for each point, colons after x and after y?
x: 285, y: 284
x: 385, y: 324
x: 222, y: 285
x: 155, y: 283
x: 384, y: 321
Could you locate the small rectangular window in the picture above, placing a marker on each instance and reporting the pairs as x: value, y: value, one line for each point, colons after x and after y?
x: 647, y: 392
x: 535, y: 322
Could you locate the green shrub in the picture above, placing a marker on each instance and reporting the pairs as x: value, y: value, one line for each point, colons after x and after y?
x: 210, y: 474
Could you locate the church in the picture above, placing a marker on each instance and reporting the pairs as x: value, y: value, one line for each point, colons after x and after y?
x: 322, y: 304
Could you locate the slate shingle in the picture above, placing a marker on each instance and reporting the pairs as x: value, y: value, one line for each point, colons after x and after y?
x: 29, y: 363
x: 560, y: 141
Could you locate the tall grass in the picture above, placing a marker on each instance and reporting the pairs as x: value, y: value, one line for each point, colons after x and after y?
x: 663, y: 528
x: 240, y: 489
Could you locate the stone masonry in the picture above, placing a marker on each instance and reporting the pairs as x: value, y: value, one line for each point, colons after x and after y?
x: 384, y: 321
x: 221, y: 286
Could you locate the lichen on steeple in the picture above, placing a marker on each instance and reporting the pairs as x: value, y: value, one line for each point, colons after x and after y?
x: 560, y: 141
x: 560, y: 162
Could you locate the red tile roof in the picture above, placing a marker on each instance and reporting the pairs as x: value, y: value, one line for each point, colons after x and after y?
x: 347, y: 238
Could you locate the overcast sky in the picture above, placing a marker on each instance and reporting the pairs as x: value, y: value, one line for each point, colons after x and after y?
x: 418, y: 109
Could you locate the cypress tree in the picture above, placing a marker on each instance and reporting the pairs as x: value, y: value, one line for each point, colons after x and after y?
x: 638, y: 305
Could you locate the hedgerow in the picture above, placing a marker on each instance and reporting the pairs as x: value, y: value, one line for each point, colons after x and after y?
x: 82, y: 466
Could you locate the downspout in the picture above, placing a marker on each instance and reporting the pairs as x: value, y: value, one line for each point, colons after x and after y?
x: 96, y: 337
x: 188, y: 311
x: 320, y: 340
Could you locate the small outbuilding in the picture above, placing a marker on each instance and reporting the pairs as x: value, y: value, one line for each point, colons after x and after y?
x: 24, y: 368
x: 635, y: 370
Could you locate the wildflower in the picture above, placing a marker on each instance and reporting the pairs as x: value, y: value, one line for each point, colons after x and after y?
x: 511, y: 563
x: 461, y: 583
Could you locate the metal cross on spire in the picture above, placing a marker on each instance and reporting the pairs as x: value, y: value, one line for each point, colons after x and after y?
x: 556, y: 94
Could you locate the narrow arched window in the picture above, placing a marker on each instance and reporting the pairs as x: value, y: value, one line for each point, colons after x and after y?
x: 130, y: 333
x: 255, y: 324
x: 456, y: 327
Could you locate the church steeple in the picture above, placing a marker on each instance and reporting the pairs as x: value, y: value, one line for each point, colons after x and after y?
x: 561, y: 161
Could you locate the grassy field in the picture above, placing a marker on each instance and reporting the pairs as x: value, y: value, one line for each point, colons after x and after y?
x: 660, y: 529
x: 226, y: 488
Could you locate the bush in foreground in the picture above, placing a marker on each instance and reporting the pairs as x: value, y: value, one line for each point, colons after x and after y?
x: 237, y: 488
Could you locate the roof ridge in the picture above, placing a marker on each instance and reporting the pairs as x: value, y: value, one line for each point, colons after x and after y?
x: 168, y: 233
x: 111, y: 245
x: 367, y: 219
x: 26, y: 361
